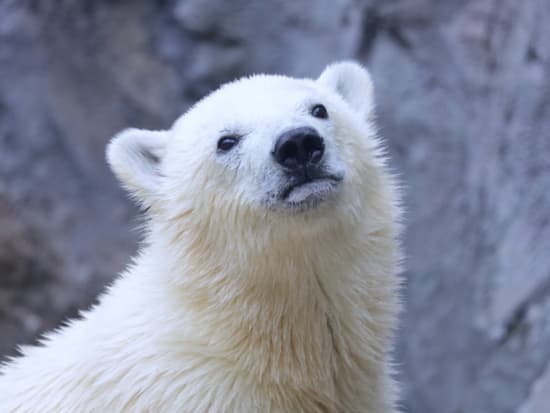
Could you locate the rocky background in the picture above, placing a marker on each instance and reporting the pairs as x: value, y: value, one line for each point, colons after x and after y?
x: 463, y: 100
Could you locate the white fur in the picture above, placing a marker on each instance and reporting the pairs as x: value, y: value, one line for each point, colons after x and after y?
x: 236, y: 304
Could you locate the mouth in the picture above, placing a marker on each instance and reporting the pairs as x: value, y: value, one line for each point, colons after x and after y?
x: 310, y: 191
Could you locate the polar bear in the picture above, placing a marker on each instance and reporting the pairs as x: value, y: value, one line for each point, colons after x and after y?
x: 268, y: 279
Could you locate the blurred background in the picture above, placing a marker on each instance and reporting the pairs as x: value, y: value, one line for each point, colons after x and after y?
x: 463, y: 96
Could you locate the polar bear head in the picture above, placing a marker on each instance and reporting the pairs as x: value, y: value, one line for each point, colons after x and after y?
x: 263, y: 153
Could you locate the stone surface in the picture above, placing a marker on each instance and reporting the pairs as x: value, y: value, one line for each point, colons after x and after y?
x: 463, y: 101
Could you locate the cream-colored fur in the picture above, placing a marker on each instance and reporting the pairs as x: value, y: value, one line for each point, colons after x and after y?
x: 232, y: 305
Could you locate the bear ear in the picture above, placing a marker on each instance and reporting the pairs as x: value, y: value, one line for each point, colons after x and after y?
x: 134, y: 156
x: 353, y: 83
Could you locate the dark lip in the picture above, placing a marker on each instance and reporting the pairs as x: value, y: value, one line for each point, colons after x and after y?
x: 307, y: 180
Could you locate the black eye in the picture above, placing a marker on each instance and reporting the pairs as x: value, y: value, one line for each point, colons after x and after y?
x: 319, y: 111
x: 226, y: 143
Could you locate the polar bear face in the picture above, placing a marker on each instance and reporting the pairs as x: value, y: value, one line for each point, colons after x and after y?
x: 277, y: 151
x: 260, y: 147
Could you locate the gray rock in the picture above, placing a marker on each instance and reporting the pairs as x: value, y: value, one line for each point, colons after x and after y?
x: 463, y: 101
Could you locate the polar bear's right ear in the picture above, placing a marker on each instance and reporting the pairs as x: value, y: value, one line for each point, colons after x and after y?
x: 134, y: 156
x: 353, y: 83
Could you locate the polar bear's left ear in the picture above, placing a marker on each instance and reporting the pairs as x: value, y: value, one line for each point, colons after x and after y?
x: 353, y: 83
x: 134, y: 156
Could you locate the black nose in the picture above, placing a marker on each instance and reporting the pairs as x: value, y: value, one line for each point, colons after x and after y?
x: 298, y: 147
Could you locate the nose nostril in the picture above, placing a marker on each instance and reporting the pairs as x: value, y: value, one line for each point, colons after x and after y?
x: 288, y: 154
x: 316, y: 156
x: 313, y: 148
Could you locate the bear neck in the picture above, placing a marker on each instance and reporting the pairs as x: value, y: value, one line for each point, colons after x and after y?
x: 288, y: 309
